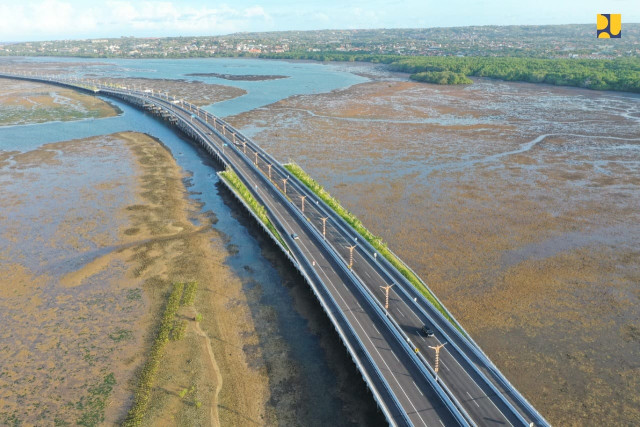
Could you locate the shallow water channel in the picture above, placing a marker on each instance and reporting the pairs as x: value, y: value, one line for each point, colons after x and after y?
x: 329, y: 387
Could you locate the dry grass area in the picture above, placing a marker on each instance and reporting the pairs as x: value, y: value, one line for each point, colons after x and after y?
x: 24, y: 102
x: 196, y: 92
x: 198, y: 255
x: 518, y: 205
x: 94, y: 233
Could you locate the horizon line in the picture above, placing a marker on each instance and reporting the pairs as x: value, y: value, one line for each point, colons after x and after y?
x: 299, y: 31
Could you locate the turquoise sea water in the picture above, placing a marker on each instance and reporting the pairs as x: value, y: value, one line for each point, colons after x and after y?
x: 326, y: 382
x: 303, y: 77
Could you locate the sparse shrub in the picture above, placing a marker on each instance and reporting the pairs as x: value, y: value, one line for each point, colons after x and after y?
x: 189, y: 295
x: 178, y: 330
x: 134, y: 294
x: 150, y: 369
x: 121, y: 335
x: 95, y: 403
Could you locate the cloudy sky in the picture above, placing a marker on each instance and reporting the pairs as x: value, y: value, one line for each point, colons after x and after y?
x: 22, y: 20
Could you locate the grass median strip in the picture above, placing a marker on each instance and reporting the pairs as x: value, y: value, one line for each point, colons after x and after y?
x: 374, y: 240
x: 238, y: 186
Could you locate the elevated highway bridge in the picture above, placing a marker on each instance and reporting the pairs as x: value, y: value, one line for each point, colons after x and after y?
x: 384, y: 337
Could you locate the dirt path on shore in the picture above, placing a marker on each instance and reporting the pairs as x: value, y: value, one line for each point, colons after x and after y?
x: 181, y: 251
x: 93, y: 234
x: 215, y: 418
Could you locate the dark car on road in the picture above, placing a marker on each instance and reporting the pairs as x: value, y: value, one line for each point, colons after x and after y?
x: 427, y: 331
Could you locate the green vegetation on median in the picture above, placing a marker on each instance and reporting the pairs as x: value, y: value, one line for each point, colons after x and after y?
x: 374, y: 240
x: 238, y: 186
x: 149, y: 371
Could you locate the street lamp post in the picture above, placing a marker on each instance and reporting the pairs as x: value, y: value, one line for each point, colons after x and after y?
x: 437, y: 362
x: 324, y: 227
x: 351, y: 248
x: 386, y: 292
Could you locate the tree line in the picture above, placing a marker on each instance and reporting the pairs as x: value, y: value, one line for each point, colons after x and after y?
x: 600, y: 74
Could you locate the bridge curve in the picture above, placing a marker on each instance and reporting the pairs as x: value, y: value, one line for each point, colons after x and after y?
x: 388, y: 350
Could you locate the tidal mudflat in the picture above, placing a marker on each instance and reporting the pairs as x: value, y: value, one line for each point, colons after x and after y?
x: 23, y: 102
x: 108, y: 223
x: 94, y: 233
x: 518, y: 205
x: 198, y: 93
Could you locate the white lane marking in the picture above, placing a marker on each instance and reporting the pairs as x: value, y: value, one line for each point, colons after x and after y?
x: 458, y: 363
x: 414, y: 383
x: 394, y: 355
x: 283, y: 218
x: 474, y: 383
x: 441, y: 422
x: 369, y: 339
x: 301, y: 243
x: 411, y: 311
x: 470, y: 397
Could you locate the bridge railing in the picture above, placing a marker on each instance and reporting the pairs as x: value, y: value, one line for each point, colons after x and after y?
x: 407, y: 287
x: 256, y: 148
x: 395, y: 329
x: 345, y: 226
x: 445, y: 394
x: 341, y: 324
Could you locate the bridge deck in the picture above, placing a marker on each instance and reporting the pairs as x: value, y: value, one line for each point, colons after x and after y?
x: 468, y: 389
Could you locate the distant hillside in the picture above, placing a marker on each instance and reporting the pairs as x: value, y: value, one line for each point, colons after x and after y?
x: 548, y: 41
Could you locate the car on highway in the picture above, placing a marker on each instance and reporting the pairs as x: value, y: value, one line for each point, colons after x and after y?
x: 294, y: 236
x: 427, y: 331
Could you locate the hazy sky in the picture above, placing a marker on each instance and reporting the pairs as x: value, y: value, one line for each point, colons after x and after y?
x: 22, y: 20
